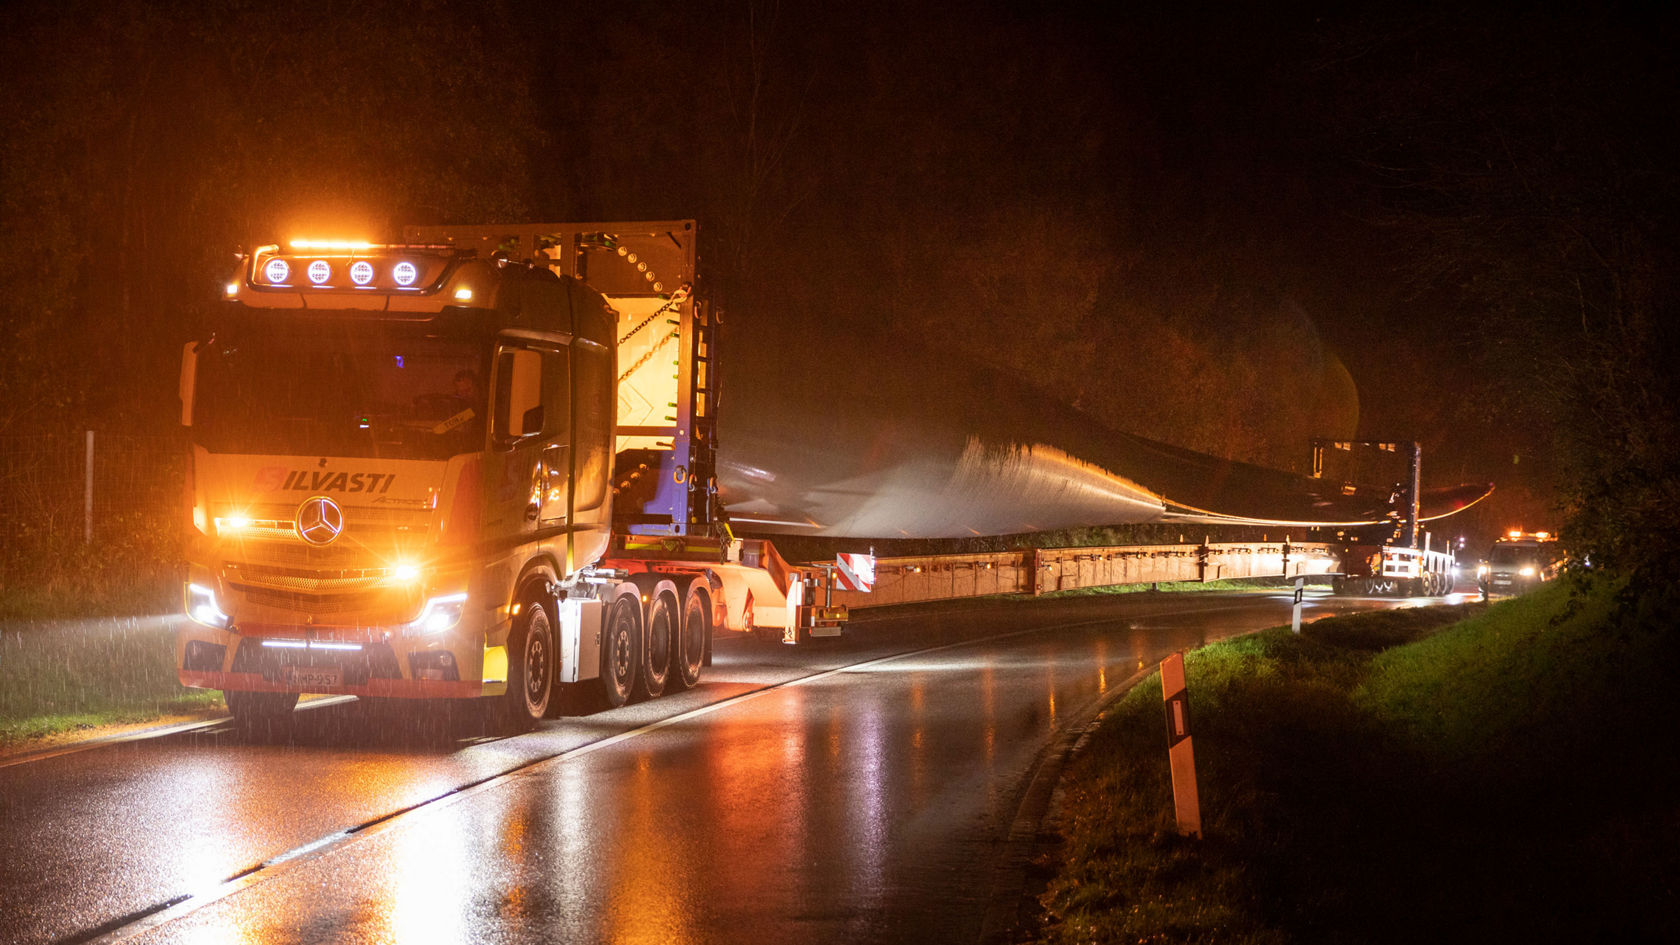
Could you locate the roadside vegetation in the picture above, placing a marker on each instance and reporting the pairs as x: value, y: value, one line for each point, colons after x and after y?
x: 1468, y: 773
x: 63, y: 679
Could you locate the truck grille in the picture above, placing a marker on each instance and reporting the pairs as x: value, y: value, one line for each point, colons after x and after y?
x: 273, y: 524
x: 319, y: 604
x: 307, y: 580
x: 272, y: 567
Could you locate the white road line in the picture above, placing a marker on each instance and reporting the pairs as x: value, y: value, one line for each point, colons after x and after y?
x: 284, y: 862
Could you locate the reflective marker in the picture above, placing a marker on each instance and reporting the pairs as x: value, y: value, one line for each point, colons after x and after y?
x: 1181, y: 756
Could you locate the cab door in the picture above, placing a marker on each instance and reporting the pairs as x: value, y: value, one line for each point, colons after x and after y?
x: 532, y: 431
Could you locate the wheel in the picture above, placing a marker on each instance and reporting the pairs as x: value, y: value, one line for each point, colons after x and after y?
x: 621, y: 637
x: 253, y: 709
x: 531, y: 659
x: 1338, y: 585
x: 696, y: 628
x: 658, y: 642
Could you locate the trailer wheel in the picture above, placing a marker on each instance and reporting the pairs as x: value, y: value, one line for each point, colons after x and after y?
x: 621, y: 638
x: 251, y: 710
x: 531, y: 658
x: 696, y: 629
x: 659, y: 642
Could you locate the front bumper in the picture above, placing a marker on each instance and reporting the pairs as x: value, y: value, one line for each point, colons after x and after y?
x: 307, y: 660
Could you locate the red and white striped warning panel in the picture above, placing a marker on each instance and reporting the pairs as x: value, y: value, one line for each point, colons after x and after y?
x: 855, y: 572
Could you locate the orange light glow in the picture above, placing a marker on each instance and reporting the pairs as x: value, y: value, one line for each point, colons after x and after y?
x: 348, y: 246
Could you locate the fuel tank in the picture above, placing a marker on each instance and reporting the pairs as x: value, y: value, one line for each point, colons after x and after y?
x: 894, y: 442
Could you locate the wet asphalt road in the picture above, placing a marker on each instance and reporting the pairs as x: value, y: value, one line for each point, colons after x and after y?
x: 860, y: 790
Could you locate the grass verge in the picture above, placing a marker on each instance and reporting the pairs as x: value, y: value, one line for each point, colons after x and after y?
x: 90, y: 674
x: 1440, y: 774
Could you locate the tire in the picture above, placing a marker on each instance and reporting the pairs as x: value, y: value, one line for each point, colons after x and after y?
x: 255, y: 709
x: 532, y: 653
x: 689, y: 657
x: 621, y: 643
x: 659, y: 642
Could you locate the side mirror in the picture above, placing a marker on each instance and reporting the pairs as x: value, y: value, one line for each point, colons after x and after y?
x: 189, y: 378
x: 522, y: 412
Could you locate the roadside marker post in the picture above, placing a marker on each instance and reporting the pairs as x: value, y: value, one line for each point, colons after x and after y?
x: 1300, y: 592
x: 1181, y: 755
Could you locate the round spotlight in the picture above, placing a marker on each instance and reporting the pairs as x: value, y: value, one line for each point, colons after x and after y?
x: 361, y: 272
x: 277, y: 271
x: 405, y: 273
x: 319, y: 271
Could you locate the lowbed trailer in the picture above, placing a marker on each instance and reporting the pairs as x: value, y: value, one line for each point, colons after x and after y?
x: 476, y: 463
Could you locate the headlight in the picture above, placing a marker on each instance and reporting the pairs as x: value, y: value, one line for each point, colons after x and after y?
x: 203, y: 608
x: 1526, y: 570
x: 439, y: 614
x: 405, y: 572
x: 1482, y: 570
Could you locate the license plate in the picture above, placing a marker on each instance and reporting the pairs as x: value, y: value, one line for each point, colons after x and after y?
x: 314, y: 677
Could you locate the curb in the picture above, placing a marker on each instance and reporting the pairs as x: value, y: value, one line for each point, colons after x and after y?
x: 1010, y: 901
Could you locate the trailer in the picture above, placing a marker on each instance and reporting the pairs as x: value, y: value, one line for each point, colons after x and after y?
x: 478, y: 463
x: 1396, y: 557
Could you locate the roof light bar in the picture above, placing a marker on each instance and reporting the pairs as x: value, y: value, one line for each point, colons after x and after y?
x: 348, y: 246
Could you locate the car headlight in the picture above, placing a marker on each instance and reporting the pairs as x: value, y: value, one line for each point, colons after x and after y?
x: 1482, y: 570
x: 1526, y: 570
x: 203, y: 608
x: 439, y: 614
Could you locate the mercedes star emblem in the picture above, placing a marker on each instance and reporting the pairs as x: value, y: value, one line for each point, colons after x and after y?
x: 319, y: 520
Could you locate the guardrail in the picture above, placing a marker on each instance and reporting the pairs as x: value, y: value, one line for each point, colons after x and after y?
x: 1040, y: 570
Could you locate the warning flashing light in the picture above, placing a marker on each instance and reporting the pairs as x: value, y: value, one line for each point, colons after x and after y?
x: 337, y: 265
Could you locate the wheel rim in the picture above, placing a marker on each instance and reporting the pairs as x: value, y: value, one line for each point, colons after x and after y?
x: 694, y: 638
x: 536, y: 666
x: 660, y: 639
x: 621, y: 649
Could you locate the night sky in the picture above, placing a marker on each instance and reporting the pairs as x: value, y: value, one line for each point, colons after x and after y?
x: 1230, y: 227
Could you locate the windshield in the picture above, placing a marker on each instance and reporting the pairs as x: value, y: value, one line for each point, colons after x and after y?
x: 342, y: 388
x: 1513, y: 554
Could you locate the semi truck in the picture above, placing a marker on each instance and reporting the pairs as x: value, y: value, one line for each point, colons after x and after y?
x: 475, y: 463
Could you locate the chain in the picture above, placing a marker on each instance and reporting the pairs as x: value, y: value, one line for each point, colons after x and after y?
x: 646, y: 357
x: 677, y: 299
